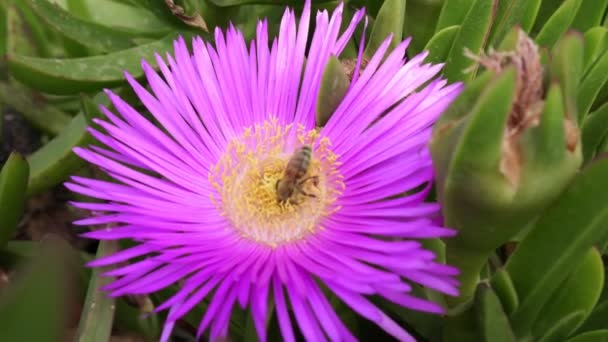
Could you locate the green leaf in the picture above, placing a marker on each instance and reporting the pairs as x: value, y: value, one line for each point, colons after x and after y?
x: 55, y: 161
x: 591, y: 336
x: 591, y: 84
x: 227, y: 3
x: 34, y: 108
x: 420, y: 22
x: 511, y: 13
x: 503, y: 286
x: 590, y: 14
x: 33, y: 308
x: 3, y: 29
x: 559, y: 331
x: 440, y: 44
x: 98, y: 309
x: 18, y: 39
x: 33, y: 30
x: 140, y: 21
x: 453, y: 13
x: 558, y: 24
x: 13, y: 183
x: 595, y: 132
x: 71, y: 76
x: 79, y: 8
x: 334, y: 85
x: 578, y: 293
x: 390, y: 19
x: 546, y: 256
x: 566, y: 67
x: 89, y: 34
x: 491, y: 318
x: 473, y: 35
x: 596, y: 42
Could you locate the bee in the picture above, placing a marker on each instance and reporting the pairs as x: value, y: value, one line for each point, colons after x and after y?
x: 293, y: 179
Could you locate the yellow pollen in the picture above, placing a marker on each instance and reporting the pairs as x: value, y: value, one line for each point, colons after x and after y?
x: 246, y: 176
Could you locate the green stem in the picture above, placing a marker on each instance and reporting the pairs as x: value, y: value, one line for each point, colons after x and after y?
x: 470, y: 264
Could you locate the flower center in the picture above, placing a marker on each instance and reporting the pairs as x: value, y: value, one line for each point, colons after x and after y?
x: 246, y: 180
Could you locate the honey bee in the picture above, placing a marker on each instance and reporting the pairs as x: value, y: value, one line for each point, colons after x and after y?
x: 293, y: 179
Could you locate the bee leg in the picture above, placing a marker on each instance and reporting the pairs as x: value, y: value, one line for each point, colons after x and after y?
x: 315, y: 180
x: 306, y: 193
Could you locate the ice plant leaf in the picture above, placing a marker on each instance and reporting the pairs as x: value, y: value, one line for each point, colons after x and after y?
x: 71, y: 76
x: 591, y: 336
x: 559, y: 331
x: 595, y: 130
x: 579, y: 292
x: 13, y: 183
x: 229, y: 189
x: 453, y: 13
x: 389, y: 21
x: 98, y: 309
x: 511, y: 13
x: 473, y: 35
x: 567, y: 68
x: 26, y: 32
x: 503, y: 286
x: 590, y: 14
x: 596, y: 42
x: 492, y: 321
x: 228, y: 3
x: 89, y: 34
x: 582, y: 217
x: 440, y: 44
x: 591, y: 84
x: 55, y: 161
x: 334, y: 85
x: 558, y: 23
x: 34, y: 108
x: 38, y: 297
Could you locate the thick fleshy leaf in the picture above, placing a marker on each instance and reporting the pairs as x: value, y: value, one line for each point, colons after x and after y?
x: 559, y: 331
x: 334, y: 85
x: 566, y: 67
x: 473, y: 35
x: 590, y: 14
x: 420, y: 22
x: 13, y: 183
x: 389, y: 21
x: 55, y: 161
x: 440, y: 44
x: 579, y: 292
x: 511, y: 13
x: 596, y: 42
x: 545, y: 257
x: 558, y: 23
x: 34, y: 108
x: 89, y: 34
x: 226, y: 3
x: 505, y: 290
x: 593, y: 81
x: 33, y: 32
x: 38, y: 297
x: 98, y: 308
x: 591, y: 336
x: 595, y: 130
x: 453, y: 13
x: 3, y: 29
x: 492, y: 321
x: 17, y: 40
x: 71, y: 76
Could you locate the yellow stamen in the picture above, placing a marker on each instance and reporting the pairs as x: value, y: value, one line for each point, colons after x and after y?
x: 245, y: 181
